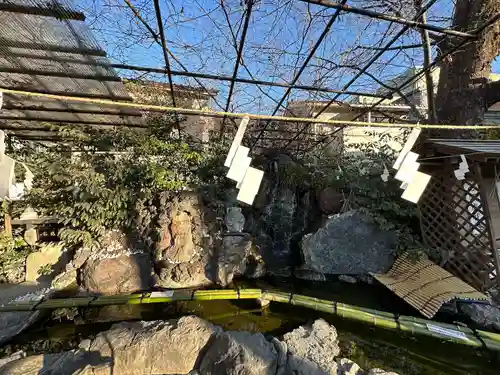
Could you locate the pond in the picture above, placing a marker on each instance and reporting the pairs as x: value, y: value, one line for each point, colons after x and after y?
x: 366, y: 345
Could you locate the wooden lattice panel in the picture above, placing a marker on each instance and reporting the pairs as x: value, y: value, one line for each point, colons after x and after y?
x: 454, y: 222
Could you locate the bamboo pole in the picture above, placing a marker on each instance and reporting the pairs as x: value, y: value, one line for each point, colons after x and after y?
x: 413, y: 325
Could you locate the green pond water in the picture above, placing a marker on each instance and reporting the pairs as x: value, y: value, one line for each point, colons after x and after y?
x: 366, y: 345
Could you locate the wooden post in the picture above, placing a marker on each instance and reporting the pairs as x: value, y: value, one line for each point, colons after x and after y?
x: 8, y: 225
x: 491, y: 229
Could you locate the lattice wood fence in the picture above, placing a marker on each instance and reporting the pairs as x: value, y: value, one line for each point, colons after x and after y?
x: 453, y: 219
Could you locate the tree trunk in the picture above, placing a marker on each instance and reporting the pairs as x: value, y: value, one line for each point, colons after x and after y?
x: 464, y: 91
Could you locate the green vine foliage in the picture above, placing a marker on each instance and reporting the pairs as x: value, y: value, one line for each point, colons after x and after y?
x: 357, y: 175
x: 13, y: 253
x: 94, y: 182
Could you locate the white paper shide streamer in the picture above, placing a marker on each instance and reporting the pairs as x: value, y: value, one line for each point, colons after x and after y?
x: 413, y: 181
x: 247, y: 179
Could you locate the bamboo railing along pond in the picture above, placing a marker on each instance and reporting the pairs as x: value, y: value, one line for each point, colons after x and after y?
x: 413, y: 325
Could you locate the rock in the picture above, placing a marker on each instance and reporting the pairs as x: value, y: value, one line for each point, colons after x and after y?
x: 181, y: 247
x: 13, y: 357
x: 348, y: 367
x: 13, y: 323
x: 330, y: 201
x: 234, y: 353
x: 81, y: 256
x: 185, y: 275
x: 306, y: 274
x: 349, y: 244
x: 232, y: 258
x: 70, y: 362
x: 31, y: 236
x: 154, y: 347
x: 348, y: 279
x: 124, y: 274
x: 234, y: 220
x: 182, y: 228
x: 317, y: 343
x: 480, y: 315
x: 127, y: 348
x: 282, y: 351
x: 367, y: 279
x: 48, y: 256
x: 66, y: 280
x: 377, y: 371
x: 302, y: 366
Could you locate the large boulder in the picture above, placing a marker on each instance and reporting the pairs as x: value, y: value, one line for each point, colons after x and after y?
x: 185, y: 249
x: 182, y: 229
x: 123, y: 274
x: 351, y: 244
x: 239, y: 353
x: 313, y: 347
x: 127, y: 349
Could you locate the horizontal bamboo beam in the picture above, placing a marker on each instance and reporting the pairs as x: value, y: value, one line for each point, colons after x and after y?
x: 385, y: 17
x: 253, y: 116
x: 64, y: 94
x: 48, y: 47
x: 111, y: 112
x: 82, y: 122
x: 63, y: 74
x: 198, y: 75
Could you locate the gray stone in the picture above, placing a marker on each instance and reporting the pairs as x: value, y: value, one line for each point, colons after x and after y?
x: 234, y: 220
x: 31, y: 236
x: 185, y: 275
x: 348, y: 367
x: 127, y: 349
x: 239, y: 353
x: 317, y: 343
x: 232, y: 258
x: 66, y: 280
x: 282, y: 351
x: 48, y: 256
x: 348, y: 279
x: 82, y: 254
x: 307, y: 274
x: 154, y: 347
x: 349, y: 244
x: 123, y: 274
x: 481, y: 315
x: 13, y: 323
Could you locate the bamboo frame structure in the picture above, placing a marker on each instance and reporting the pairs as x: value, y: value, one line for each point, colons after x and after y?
x: 415, y: 326
x: 65, y: 13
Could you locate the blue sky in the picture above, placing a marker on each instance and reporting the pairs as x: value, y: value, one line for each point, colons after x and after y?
x: 279, y: 37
